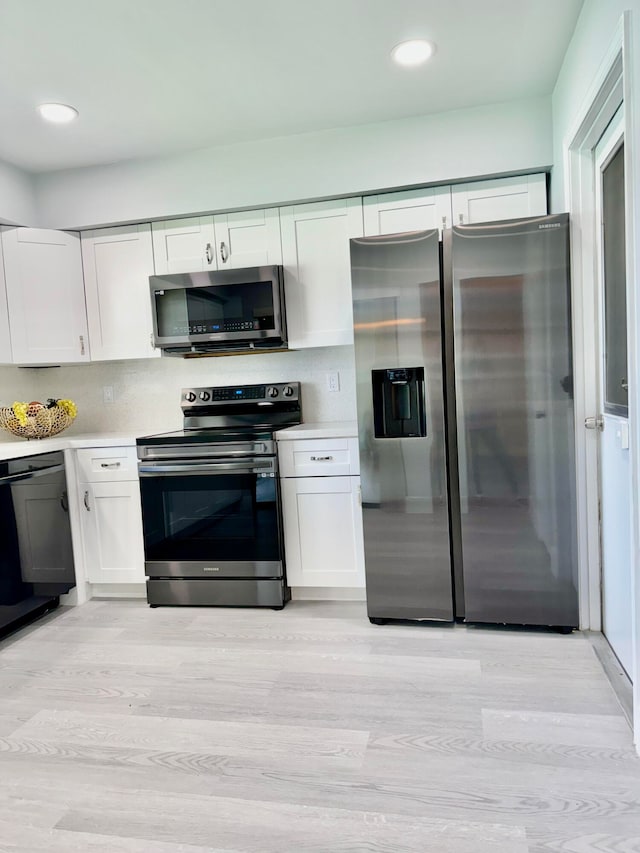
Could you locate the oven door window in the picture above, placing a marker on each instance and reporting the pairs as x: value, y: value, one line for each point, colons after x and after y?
x: 222, y: 517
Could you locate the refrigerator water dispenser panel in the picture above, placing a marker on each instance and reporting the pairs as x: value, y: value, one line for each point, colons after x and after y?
x: 398, y: 402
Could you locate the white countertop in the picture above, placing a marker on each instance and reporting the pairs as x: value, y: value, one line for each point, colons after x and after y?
x: 331, y: 429
x: 14, y: 448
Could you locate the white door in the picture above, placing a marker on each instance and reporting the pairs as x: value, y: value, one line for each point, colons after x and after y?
x: 5, y: 338
x: 117, y: 263
x: 184, y: 245
x: 317, y: 271
x: 323, y: 531
x: 248, y: 239
x: 503, y: 198
x: 45, y: 295
x: 412, y: 210
x: 612, y: 424
x: 112, y: 532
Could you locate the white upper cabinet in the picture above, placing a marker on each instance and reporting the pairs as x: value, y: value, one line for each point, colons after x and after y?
x: 5, y: 337
x: 317, y: 267
x: 248, y: 239
x: 117, y: 264
x: 412, y: 210
x: 227, y: 241
x: 504, y: 198
x: 45, y: 296
x: 184, y: 245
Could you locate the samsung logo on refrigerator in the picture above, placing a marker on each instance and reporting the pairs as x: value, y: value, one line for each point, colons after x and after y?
x: 551, y: 225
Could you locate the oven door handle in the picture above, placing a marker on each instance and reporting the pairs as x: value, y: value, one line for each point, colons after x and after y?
x: 30, y: 475
x: 206, y: 468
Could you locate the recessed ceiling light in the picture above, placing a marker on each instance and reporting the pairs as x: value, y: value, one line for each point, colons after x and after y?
x: 413, y: 52
x: 58, y: 113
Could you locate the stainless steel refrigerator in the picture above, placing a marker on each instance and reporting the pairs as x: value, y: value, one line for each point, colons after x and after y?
x: 465, y: 419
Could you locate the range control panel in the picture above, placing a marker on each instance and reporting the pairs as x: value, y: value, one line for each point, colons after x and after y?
x: 230, y: 394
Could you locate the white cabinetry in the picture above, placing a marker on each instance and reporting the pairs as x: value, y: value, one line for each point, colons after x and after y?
x: 229, y: 240
x: 184, y: 245
x: 45, y: 296
x: 248, y: 239
x: 117, y: 263
x: 413, y: 210
x: 5, y: 337
x: 322, y: 515
x: 317, y: 269
x: 111, y: 517
x: 479, y: 201
x: 504, y: 198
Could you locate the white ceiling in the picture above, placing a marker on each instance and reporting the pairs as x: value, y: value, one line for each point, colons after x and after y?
x: 151, y: 77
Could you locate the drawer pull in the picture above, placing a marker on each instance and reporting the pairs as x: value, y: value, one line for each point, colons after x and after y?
x: 109, y: 464
x: 322, y: 458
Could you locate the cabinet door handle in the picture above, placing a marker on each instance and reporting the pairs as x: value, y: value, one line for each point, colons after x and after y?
x: 109, y: 464
x: 151, y: 340
x: 209, y: 253
x: 322, y: 458
x: 444, y: 222
x: 86, y: 502
x: 461, y: 218
x: 64, y: 503
x: 81, y: 344
x: 224, y: 255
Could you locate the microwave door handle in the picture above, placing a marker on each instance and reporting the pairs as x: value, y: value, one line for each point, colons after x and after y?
x: 30, y: 475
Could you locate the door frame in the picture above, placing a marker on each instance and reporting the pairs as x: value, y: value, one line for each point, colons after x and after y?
x: 610, y: 88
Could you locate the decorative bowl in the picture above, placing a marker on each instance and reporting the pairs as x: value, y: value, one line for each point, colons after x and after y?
x: 38, y: 420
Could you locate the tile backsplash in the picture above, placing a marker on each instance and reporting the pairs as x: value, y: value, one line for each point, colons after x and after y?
x: 147, y: 392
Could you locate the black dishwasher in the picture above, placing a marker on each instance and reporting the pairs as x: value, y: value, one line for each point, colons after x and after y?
x: 36, y: 555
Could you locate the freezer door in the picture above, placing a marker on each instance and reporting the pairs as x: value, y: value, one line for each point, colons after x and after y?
x: 515, y: 426
x: 398, y: 351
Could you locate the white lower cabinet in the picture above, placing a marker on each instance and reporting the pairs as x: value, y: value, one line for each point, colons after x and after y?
x: 110, y: 516
x: 322, y: 514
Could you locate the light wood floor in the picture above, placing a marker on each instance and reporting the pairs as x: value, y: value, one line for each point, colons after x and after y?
x: 309, y: 730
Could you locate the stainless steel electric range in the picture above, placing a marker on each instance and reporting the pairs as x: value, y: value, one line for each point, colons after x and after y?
x: 211, y: 509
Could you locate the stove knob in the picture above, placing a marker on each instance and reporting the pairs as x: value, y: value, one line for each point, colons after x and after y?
x: 190, y: 396
x: 287, y: 391
x: 204, y: 396
x: 272, y: 392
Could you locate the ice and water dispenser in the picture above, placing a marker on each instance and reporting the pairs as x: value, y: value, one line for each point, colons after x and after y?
x: 398, y: 402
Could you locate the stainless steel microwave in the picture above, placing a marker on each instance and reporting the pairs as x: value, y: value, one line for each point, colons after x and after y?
x: 219, y: 310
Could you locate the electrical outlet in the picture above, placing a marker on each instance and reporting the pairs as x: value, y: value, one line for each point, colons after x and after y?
x: 107, y: 394
x: 333, y: 381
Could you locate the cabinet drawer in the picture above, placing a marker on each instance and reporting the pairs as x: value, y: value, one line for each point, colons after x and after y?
x: 100, y: 464
x: 319, y: 457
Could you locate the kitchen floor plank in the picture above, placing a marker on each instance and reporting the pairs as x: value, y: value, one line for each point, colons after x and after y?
x: 183, y: 730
